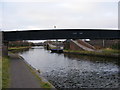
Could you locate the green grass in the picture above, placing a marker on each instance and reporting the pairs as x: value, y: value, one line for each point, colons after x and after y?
x: 45, y: 85
x: 103, y: 52
x: 109, y: 50
x: 5, y: 72
x: 17, y: 48
x: 0, y: 72
x: 81, y: 52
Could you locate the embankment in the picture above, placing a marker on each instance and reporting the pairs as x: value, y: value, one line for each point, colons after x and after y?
x: 94, y: 53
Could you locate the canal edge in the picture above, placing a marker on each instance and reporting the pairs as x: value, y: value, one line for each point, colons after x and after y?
x: 98, y: 55
x: 37, y: 73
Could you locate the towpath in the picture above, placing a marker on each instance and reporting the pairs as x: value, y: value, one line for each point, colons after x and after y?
x: 20, y: 74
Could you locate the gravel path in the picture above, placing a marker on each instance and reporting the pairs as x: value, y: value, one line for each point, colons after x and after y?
x: 21, y: 76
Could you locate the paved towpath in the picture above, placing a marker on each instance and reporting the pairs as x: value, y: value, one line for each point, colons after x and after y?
x: 21, y: 76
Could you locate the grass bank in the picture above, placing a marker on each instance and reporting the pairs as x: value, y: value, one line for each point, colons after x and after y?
x: 102, y: 53
x: 110, y: 51
x: 18, y: 48
x: 5, y: 72
x: 0, y: 72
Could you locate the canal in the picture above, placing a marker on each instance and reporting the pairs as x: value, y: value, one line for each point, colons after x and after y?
x: 74, y: 71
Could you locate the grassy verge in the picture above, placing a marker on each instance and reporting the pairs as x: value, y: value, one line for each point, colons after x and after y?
x: 104, y: 53
x: 5, y: 72
x: 17, y: 48
x: 112, y: 51
x: 0, y: 72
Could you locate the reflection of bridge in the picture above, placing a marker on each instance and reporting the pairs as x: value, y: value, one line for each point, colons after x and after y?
x: 60, y: 34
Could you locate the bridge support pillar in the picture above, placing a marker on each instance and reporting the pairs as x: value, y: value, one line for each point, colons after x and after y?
x: 5, y: 48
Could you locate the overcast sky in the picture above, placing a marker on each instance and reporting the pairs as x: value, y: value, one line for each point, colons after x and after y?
x: 44, y: 14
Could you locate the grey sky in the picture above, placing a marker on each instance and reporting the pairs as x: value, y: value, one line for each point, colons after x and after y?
x: 44, y: 14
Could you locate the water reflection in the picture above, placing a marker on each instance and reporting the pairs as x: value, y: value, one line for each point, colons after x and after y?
x: 74, y: 71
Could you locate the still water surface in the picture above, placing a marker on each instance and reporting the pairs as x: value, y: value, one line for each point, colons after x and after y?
x: 74, y: 71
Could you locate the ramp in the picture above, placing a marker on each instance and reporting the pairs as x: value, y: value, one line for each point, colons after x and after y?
x: 84, y: 45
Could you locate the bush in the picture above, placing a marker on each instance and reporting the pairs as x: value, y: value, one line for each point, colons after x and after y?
x: 116, y: 46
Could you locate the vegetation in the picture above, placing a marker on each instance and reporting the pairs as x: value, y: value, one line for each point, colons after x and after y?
x: 20, y: 44
x: 110, y: 50
x: 116, y: 46
x: 104, y: 52
x: 17, y: 48
x: 5, y: 72
x: 0, y: 72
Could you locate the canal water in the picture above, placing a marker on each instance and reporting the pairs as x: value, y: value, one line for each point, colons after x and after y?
x: 74, y: 71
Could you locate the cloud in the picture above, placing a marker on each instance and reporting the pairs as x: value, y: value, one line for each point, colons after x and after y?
x: 72, y: 14
x: 58, y: 0
x: 0, y: 16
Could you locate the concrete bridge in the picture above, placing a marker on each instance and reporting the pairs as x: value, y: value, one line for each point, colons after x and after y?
x: 58, y: 34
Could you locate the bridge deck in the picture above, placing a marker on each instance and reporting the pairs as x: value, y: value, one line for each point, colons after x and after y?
x: 61, y: 34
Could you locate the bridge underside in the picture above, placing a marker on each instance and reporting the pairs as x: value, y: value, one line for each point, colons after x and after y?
x: 61, y: 34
